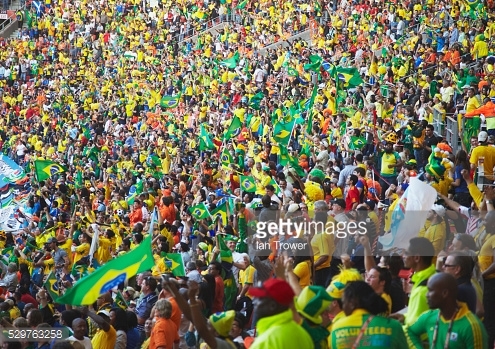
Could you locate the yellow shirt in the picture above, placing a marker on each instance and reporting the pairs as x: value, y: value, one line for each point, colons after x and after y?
x: 104, y: 340
x: 81, y: 251
x: 485, y: 257
x: 321, y: 244
x: 303, y: 272
x: 246, y: 277
x: 436, y: 233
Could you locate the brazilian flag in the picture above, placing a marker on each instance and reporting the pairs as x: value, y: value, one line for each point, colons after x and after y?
x: 170, y: 101
x: 350, y: 77
x: 292, y: 72
x: 315, y: 63
x: 51, y: 286
x: 357, y: 143
x: 205, y: 141
x: 255, y: 101
x: 174, y: 263
x: 234, y: 128
x: 278, y: 191
x: 220, y: 211
x: 283, y: 131
x: 199, y: 211
x: 225, y: 252
x: 87, y: 290
x: 231, y: 62
x: 44, y: 169
x: 120, y: 301
x: 225, y: 158
x: 248, y: 184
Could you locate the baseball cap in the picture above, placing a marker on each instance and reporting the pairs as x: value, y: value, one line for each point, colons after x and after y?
x: 340, y: 202
x: 277, y: 289
x: 482, y: 136
x: 370, y: 204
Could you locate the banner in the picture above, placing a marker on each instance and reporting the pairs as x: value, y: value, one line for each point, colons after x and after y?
x: 409, y: 215
x: 10, y: 170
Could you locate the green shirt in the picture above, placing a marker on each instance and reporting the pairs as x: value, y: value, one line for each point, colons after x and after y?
x: 381, y: 332
x: 417, y: 299
x: 281, y: 331
x: 467, y: 330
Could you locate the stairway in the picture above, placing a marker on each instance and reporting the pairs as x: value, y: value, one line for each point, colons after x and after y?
x: 10, y: 31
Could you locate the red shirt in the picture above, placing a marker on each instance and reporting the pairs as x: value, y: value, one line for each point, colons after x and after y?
x: 219, y: 294
x: 351, y: 198
x: 27, y: 298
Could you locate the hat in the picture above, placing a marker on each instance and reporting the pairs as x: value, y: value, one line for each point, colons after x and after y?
x: 336, y: 288
x: 277, y: 289
x: 131, y: 291
x: 482, y: 136
x: 222, y: 322
x: 293, y: 208
x: 439, y: 210
x: 230, y: 238
x: 370, y: 204
x: 318, y: 174
x: 311, y: 302
x: 340, y: 202
x: 203, y: 246
x: 104, y: 312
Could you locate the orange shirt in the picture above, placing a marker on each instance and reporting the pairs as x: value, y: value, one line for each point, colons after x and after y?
x: 164, y: 334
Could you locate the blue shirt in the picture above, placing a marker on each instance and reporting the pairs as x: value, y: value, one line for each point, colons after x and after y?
x: 462, y: 188
x: 133, y: 339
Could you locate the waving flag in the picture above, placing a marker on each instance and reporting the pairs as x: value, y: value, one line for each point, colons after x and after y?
x: 175, y: 263
x: 408, y: 215
x: 225, y: 252
x: 350, y: 76
x: 205, y: 141
x: 282, y: 132
x: 248, y: 184
x: 225, y: 158
x: 255, y: 101
x: 120, y: 301
x: 242, y: 4
x: 170, y: 101
x: 199, y: 211
x: 87, y: 290
x: 357, y: 143
x: 44, y: 169
x: 51, y: 285
x: 231, y: 62
x: 315, y: 63
x: 234, y: 128
x: 221, y: 211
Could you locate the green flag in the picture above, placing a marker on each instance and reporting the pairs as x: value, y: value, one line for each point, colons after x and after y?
x: 242, y: 5
x: 170, y: 101
x: 44, y: 169
x: 255, y: 101
x: 51, y: 285
x: 278, y: 191
x: 225, y: 252
x: 284, y: 156
x: 350, y: 77
x: 120, y: 301
x: 231, y: 62
x: 87, y: 290
x: 199, y: 211
x: 221, y: 212
x: 292, y: 72
x: 248, y: 184
x: 234, y: 128
x: 357, y: 143
x: 225, y: 158
x: 315, y: 63
x: 205, y: 141
x: 282, y: 132
x: 174, y: 262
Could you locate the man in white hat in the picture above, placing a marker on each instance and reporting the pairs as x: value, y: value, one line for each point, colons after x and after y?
x: 435, y: 229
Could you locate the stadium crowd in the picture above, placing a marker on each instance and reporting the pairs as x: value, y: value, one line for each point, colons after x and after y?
x: 135, y: 125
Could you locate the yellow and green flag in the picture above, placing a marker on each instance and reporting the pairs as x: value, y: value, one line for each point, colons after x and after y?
x: 44, y: 169
x: 199, y: 211
x: 87, y: 290
x: 234, y: 128
x: 51, y: 285
x: 175, y: 263
x: 220, y: 211
x: 120, y: 301
x: 225, y: 158
x: 170, y: 101
x: 283, y: 131
x: 248, y: 185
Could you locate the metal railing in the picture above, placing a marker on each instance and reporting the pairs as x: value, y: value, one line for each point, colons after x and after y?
x: 8, y: 22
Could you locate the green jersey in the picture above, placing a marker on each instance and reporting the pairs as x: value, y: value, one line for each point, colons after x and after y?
x: 381, y: 332
x: 467, y: 330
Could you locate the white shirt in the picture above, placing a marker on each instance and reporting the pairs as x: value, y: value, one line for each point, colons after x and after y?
x: 86, y: 342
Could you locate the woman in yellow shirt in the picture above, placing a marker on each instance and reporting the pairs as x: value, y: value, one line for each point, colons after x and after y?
x: 82, y: 250
x: 302, y: 269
